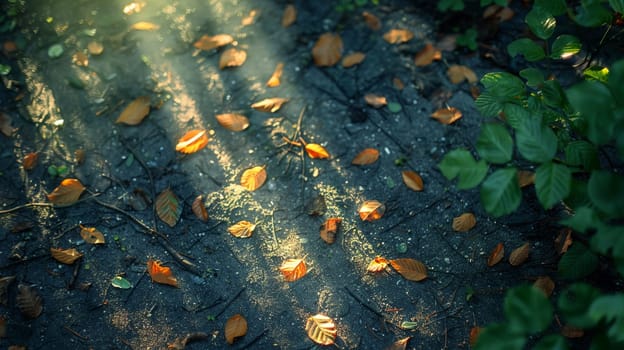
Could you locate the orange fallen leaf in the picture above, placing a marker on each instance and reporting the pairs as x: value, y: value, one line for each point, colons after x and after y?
x: 253, y: 178
x: 242, y: 229
x: 464, y: 222
x: 290, y: 15
x: 145, y: 26
x: 496, y: 255
x: 161, y: 274
x: 233, y: 121
x: 92, y: 235
x: 327, y: 50
x: 232, y: 57
x: 95, y: 48
x: 321, y: 329
x: 65, y: 256
x: 447, y: 115
x: 398, y: 83
x: 525, y: 178
x: 398, y: 36
x: 400, y: 344
x: 235, y: 326
x: 192, y: 141
x: 375, y: 101
x: 353, y: 59
x: 458, y: 73
x: 207, y: 42
x: 378, y: 264
x: 371, y: 210
x: 545, y: 284
x: 199, y: 209
x: 411, y: 269
x: 563, y: 240
x: 427, y: 55
x: 412, y: 180
x: 274, y: 80
x: 474, y: 335
x: 293, y: 269
x: 329, y: 229
x: 316, y: 151
x: 250, y: 19
x: 136, y: 111
x: 269, y: 104
x: 371, y: 20
x: 519, y: 255
x: 366, y: 157
x: 67, y: 193
x: 30, y: 160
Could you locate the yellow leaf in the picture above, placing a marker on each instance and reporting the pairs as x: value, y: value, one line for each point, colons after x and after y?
x: 92, y: 235
x: 519, y: 255
x: 427, y: 55
x: 65, y: 256
x: 232, y: 57
x: 290, y: 15
x: 352, y: 59
x: 496, y: 255
x: 293, y: 269
x: 145, y: 26
x: 207, y: 42
x: 371, y: 210
x: 464, y: 222
x: 321, y: 329
x: 411, y: 269
x: 233, y: 121
x: 136, y: 111
x: 375, y: 101
x: 366, y: 157
x: 67, y: 193
x: 235, y: 326
x: 199, y: 209
x: 458, y: 73
x: 192, y: 141
x: 327, y: 50
x: 270, y: 104
x: 274, y: 80
x: 253, y: 178
x: 316, y: 151
x: 161, y: 274
x: 447, y: 115
x: 378, y: 264
x: 398, y: 36
x: 242, y: 229
x: 412, y: 180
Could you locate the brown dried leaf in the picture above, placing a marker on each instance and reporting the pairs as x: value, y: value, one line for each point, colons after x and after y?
x: 250, y: 19
x: 329, y: 229
x: 447, y: 43
x: 65, y: 256
x: 316, y: 151
x: 411, y: 269
x: 321, y: 329
x: 5, y: 124
x: 136, y: 111
x: 181, y: 342
x: 352, y: 59
x: 95, y: 48
x: 398, y: 36
x: 199, y: 209
x: 371, y: 210
x: 80, y: 59
x: 464, y: 223
x: 400, y: 344
x: 293, y: 269
x: 242, y: 229
x: 79, y: 156
x: 447, y: 115
x: 366, y: 157
x: 545, y: 284
x: 563, y: 240
x: 269, y: 104
x: 161, y: 274
x: 235, y: 326
x: 375, y: 101
x: 572, y: 332
x: 525, y: 178
x: 92, y: 235
x: 505, y: 14
x: 412, y: 180
x: 67, y: 193
x: 168, y: 207
x: 458, y: 74
x: 4, y: 287
x: 474, y: 335
x: 145, y: 26
x: 327, y: 50
x: 274, y: 80
x: 519, y: 255
x: 207, y: 42
x: 496, y: 255
x: 192, y: 141
x: 378, y: 264
x: 427, y: 55
x: 253, y: 178
x: 398, y: 83
x: 28, y: 301
x: 233, y: 121
x: 500, y: 13
x: 290, y: 15
x: 30, y: 160
x: 371, y: 20
x: 232, y: 57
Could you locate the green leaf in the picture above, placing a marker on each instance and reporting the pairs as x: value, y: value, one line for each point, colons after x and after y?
x: 574, y: 303
x: 552, y: 183
x: 598, y: 73
x: 584, y: 219
x: 500, y: 192
x: 536, y: 142
x: 500, y: 88
x: 578, y: 196
x: 582, y: 153
x: 554, y: 7
x: 533, y: 76
x: 541, y: 23
x: 120, y: 282
x: 494, y: 143
x: 611, y: 309
x: 453, y: 5
x: 608, y: 240
x: 500, y: 337
x: 528, y: 48
x: 565, y: 46
x: 577, y: 262
x: 553, y: 94
x: 515, y: 114
x: 592, y: 14
x: 527, y: 309
x: 606, y: 191
x: 5, y: 69
x: 551, y: 342
x: 489, y: 105
x: 468, y: 39
x: 460, y: 163
x: 394, y: 107
x: 616, y: 80
x: 617, y: 5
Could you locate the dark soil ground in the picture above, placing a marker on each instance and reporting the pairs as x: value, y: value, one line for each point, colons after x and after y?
x: 57, y: 107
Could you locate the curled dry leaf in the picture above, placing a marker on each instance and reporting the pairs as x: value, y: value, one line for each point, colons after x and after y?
x: 496, y: 255
x: 270, y: 104
x: 563, y: 240
x: 65, y: 256
x: 525, y: 178
x: 145, y: 26
x: 207, y: 42
x: 95, y: 48
x: 371, y: 20
x: 378, y: 264
x: 411, y: 269
x: 290, y: 15
x: 427, y: 55
x: 366, y: 157
x: 398, y: 36
x: 136, y: 111
x: 464, y: 223
x: 545, y: 284
x: 458, y: 74
x: 92, y: 235
x: 293, y: 269
x: 232, y: 57
x: 519, y: 255
x: 161, y: 274
x: 28, y: 301
x: 242, y: 229
x: 274, y: 80
x: 67, y: 193
x: 181, y: 342
x: 5, y: 124
x: 4, y: 287
x: 30, y: 160
x: 353, y: 59
x: 233, y: 121
x: 447, y: 115
x: 199, y: 209
x: 235, y: 326
x: 253, y: 178
x: 168, y: 207
x: 412, y: 180
x: 329, y: 229
x: 474, y: 335
x: 375, y: 101
x: 321, y: 329
x: 400, y: 344
x: 316, y: 151
x: 371, y: 210
x: 192, y: 141
x: 327, y: 50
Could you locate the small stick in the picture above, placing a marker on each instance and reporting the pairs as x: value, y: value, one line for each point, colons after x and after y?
x: 27, y: 205
x: 230, y: 302
x: 72, y: 281
x: 75, y: 333
x: 359, y: 300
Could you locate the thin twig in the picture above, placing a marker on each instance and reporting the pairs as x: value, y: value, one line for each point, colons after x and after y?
x: 227, y: 304
x: 27, y: 205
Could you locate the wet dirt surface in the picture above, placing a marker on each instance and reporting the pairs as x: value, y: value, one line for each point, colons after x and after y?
x: 66, y: 107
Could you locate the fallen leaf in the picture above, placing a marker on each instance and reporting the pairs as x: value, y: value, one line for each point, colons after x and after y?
x: 168, y: 207
x: 30, y: 160
x: 232, y: 57
x: 253, y: 178
x: 80, y: 59
x: 412, y: 180
x: 4, y: 288
x: 145, y: 26
x: 352, y: 59
x: 79, y: 156
x: 427, y: 55
x: 572, y: 332
x: 371, y: 210
x: 5, y: 124
x: 316, y: 151
x: 519, y: 255
x: 371, y: 20
x: 563, y: 240
x: 327, y: 50
x: 274, y: 80
x: 366, y: 156
x: 65, y: 256
x: 447, y: 43
x: 400, y: 344
x: 447, y: 115
x: 92, y: 235
x: 95, y: 48
x: 329, y: 229
x: 192, y: 141
x: 375, y: 101
x: 207, y: 42
x: 464, y: 223
x: 121, y: 283
x: 474, y: 335
x: 161, y: 274
x: 378, y: 264
x: 28, y: 301
x: 496, y: 255
x: 497, y: 12
x: 321, y: 329
x: 293, y: 269
x: 242, y: 229
x: 458, y: 74
x: 136, y: 111
x: 411, y: 269
x: 199, y: 209
x: 398, y: 36
x: 525, y: 178
x: 269, y: 104
x: 180, y: 343
x: 235, y: 326
x: 233, y: 121
x: 67, y: 193
x: 398, y: 83
x: 290, y: 15
x: 545, y: 284
x: 250, y: 19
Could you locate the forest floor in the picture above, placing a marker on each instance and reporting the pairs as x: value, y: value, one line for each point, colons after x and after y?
x: 58, y: 106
